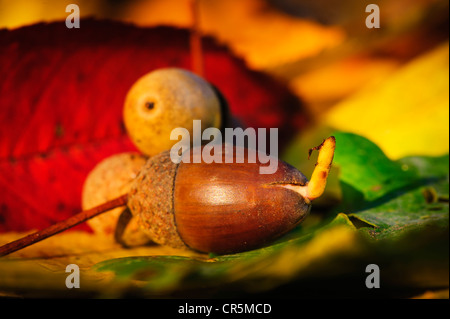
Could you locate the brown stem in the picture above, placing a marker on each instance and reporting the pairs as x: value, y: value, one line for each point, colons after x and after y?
x: 196, y: 39
x: 62, y: 225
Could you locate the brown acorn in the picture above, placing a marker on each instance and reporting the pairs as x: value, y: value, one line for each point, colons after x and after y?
x: 215, y: 207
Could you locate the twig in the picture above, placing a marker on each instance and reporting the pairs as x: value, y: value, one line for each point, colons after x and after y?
x: 196, y: 40
x: 62, y: 225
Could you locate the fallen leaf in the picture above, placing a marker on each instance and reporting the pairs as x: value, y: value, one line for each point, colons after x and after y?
x: 255, y: 271
x: 40, y: 270
x: 250, y: 28
x: 321, y: 88
x: 393, y: 197
x: 407, y: 113
x: 61, y: 100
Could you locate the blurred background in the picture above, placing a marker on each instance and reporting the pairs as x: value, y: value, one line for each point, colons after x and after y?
x: 387, y: 84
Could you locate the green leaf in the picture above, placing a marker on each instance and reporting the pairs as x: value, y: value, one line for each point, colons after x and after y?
x: 366, y: 169
x: 391, y: 196
x: 404, y: 213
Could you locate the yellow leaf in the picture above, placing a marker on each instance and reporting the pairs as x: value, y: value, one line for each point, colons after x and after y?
x: 323, y: 87
x: 40, y: 270
x: 407, y: 113
x: 338, y: 240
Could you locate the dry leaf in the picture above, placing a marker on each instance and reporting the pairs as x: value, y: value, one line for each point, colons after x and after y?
x: 40, y: 270
x: 326, y: 86
x: 407, y: 113
x: 250, y: 28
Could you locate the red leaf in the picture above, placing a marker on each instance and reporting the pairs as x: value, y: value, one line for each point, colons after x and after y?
x: 61, y: 97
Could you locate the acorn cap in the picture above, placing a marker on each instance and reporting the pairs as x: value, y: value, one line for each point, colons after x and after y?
x: 151, y: 198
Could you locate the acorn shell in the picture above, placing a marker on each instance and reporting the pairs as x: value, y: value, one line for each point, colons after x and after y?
x: 232, y: 207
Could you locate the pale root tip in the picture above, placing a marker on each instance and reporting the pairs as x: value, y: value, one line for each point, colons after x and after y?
x: 316, y: 185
